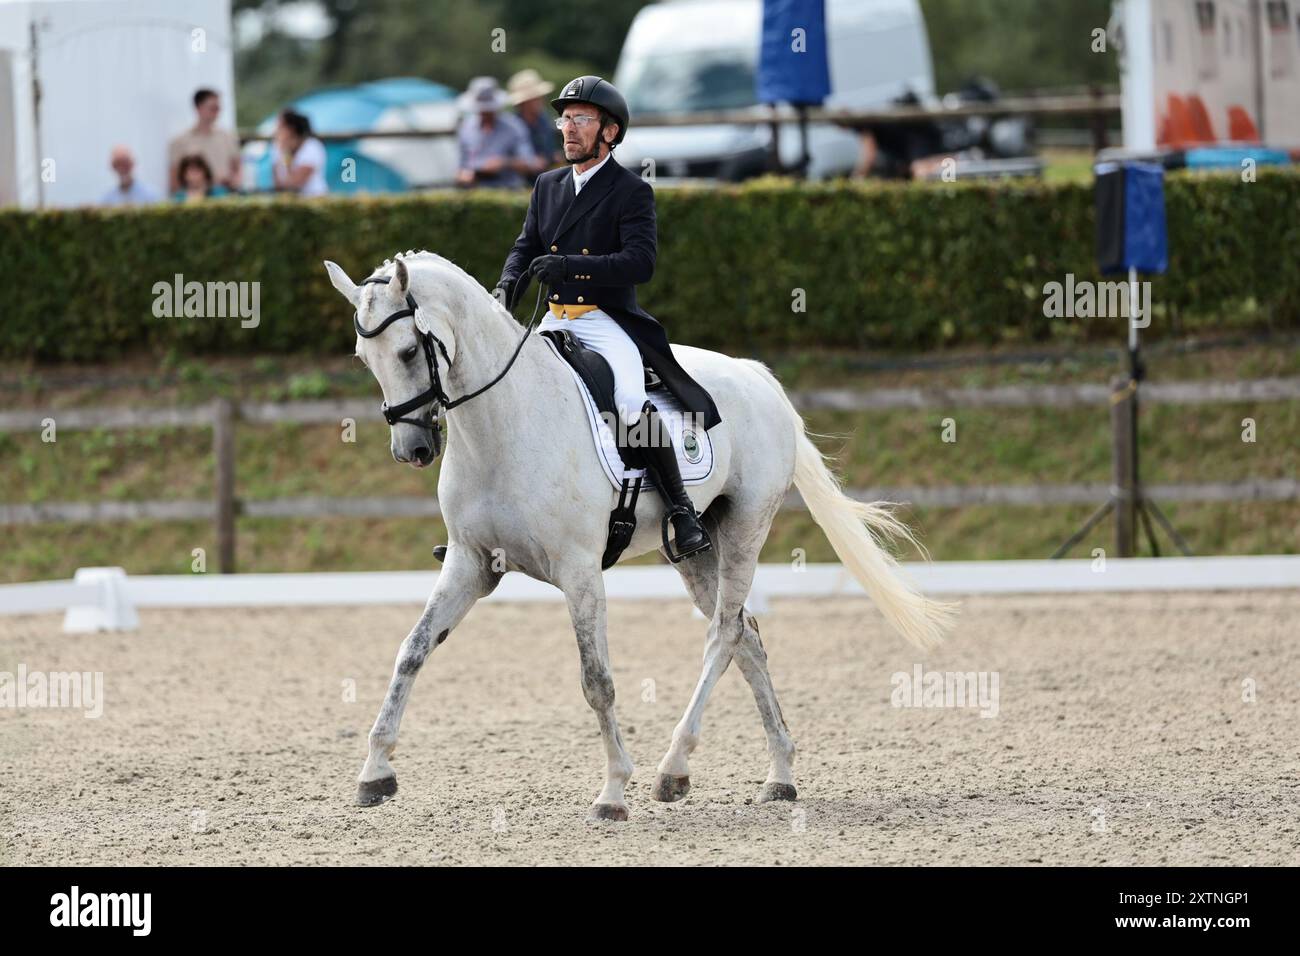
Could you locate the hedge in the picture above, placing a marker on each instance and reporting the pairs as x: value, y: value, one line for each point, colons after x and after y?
x: 880, y: 265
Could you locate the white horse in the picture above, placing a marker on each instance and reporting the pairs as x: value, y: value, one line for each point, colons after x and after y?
x: 521, y: 489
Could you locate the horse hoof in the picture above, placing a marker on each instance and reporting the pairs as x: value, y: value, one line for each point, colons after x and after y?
x: 371, y: 793
x: 669, y: 789
x: 777, y: 791
x: 608, y: 811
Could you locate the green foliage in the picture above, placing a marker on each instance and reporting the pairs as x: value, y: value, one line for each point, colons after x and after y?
x: 1022, y: 44
x: 309, y: 385
x: 447, y: 41
x: 881, y: 265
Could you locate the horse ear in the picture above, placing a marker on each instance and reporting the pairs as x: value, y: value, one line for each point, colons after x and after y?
x: 341, y: 282
x: 401, y: 281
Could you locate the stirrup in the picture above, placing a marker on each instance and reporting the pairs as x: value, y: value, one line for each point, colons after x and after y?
x: 677, y: 556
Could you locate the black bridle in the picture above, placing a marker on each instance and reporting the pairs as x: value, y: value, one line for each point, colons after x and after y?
x: 428, y: 341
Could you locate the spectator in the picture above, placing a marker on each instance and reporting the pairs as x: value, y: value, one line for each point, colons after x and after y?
x: 128, y: 191
x: 195, y: 176
x: 218, y: 147
x: 527, y: 92
x: 495, y: 149
x: 900, y: 150
x: 299, y: 165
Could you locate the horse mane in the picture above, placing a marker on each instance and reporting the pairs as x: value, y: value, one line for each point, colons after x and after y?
x: 388, y: 265
x: 449, y: 269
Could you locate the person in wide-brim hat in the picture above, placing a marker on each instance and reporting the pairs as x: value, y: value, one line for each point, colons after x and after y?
x: 483, y: 96
x: 496, y: 149
x: 528, y: 92
x: 527, y: 85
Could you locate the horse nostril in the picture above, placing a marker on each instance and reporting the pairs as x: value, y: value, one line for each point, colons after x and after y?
x: 420, y: 454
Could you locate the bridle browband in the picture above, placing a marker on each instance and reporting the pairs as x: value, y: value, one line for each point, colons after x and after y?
x: 434, y: 393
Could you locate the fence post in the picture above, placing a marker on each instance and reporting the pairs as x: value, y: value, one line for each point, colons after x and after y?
x: 1121, y: 429
x: 223, y: 454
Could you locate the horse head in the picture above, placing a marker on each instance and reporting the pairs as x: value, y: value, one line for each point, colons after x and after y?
x: 409, y: 349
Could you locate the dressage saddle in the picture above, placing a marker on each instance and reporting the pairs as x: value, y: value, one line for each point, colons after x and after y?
x: 599, y: 379
x: 596, y: 374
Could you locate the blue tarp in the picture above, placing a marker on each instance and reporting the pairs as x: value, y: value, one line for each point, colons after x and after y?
x: 343, y: 109
x: 1218, y: 157
x: 793, y: 68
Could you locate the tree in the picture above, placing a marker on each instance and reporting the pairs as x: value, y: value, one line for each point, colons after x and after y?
x: 1020, y: 44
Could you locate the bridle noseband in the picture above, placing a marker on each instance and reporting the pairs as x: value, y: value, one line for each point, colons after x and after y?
x: 434, y: 393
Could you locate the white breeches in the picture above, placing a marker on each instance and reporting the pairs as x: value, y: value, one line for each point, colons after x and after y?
x: 600, y: 333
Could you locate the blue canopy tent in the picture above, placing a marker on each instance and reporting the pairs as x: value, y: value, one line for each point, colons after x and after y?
x: 345, y: 109
x: 792, y: 65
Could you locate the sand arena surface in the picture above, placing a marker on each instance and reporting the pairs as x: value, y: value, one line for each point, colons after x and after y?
x: 228, y: 737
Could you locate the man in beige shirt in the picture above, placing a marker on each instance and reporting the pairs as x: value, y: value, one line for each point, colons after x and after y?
x: 219, y: 147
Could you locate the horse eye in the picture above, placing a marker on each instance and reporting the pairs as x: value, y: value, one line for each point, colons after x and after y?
x: 408, y: 354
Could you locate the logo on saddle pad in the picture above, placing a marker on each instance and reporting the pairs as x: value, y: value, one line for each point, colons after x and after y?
x: 691, y: 449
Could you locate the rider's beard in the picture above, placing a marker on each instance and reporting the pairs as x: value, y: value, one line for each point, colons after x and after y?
x: 586, y: 155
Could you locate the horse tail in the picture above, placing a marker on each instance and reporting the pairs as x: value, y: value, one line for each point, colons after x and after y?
x: 858, y: 532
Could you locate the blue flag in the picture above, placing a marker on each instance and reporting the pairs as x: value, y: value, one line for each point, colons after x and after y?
x: 792, y: 64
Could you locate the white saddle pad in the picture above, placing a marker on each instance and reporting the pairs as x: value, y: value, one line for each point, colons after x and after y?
x: 693, y: 445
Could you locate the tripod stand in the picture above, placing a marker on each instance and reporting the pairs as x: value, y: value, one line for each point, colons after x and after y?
x: 1127, y: 498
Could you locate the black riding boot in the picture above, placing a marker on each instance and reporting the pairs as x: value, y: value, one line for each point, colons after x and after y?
x: 661, y: 461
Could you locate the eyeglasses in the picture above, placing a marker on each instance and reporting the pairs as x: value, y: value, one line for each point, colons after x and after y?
x: 582, y: 122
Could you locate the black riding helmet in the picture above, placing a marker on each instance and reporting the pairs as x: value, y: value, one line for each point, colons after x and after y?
x: 597, y: 92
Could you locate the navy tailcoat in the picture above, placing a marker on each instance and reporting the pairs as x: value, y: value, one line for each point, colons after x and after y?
x: 608, y: 237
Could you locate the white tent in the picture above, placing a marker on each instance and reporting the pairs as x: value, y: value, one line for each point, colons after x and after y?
x: 78, y: 77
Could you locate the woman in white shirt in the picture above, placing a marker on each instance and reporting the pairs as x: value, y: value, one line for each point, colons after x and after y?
x: 299, y: 157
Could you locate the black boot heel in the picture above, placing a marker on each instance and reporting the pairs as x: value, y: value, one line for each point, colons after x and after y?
x: 691, y: 538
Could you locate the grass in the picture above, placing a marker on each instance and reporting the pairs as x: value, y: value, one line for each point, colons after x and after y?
x: 895, y: 447
x: 1068, y: 165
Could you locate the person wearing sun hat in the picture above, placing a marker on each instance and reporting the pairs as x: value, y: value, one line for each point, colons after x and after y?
x: 495, y: 148
x: 528, y: 92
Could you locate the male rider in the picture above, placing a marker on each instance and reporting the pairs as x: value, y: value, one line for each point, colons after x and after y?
x: 590, y: 237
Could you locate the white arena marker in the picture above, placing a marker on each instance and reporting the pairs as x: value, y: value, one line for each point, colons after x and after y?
x: 106, y: 598
x: 112, y: 612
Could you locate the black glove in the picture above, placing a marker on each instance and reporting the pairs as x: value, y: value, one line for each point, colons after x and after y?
x: 548, y: 269
x: 509, y: 291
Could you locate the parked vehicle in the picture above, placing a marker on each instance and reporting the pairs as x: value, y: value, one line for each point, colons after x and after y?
x: 702, y: 55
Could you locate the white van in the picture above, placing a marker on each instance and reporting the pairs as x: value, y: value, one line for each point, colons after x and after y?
x: 702, y: 55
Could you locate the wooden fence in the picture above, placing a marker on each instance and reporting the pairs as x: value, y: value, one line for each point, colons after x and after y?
x: 223, y: 416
